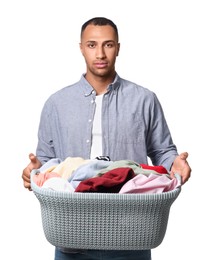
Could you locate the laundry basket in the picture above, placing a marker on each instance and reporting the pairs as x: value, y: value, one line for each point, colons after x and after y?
x: 104, y: 220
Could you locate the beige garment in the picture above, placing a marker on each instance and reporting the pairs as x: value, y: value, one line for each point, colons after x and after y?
x: 68, y: 166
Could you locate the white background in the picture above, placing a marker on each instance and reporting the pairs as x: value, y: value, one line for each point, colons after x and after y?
x: 167, y: 46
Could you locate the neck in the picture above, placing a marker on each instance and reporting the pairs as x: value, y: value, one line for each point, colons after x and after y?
x: 99, y: 83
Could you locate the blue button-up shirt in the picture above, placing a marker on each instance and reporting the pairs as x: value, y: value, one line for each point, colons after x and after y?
x: 133, y: 124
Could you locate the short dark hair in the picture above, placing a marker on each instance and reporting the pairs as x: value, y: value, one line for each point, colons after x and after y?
x: 100, y: 21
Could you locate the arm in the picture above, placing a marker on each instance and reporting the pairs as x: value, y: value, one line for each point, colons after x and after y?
x: 160, y: 146
x: 45, y: 147
x: 45, y: 150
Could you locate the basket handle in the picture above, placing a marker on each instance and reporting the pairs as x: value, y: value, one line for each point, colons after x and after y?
x: 178, y: 177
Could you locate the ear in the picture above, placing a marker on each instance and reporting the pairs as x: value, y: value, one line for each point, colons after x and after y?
x: 81, y: 49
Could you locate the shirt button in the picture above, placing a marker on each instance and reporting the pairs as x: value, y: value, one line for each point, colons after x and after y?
x: 92, y: 101
x: 89, y: 120
x: 87, y: 141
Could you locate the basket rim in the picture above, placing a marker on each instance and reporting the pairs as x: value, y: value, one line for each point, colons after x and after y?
x: 93, y: 195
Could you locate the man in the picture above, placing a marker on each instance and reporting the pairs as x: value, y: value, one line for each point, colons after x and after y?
x: 103, y: 114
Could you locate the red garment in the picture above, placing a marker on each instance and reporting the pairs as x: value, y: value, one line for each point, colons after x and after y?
x: 159, y: 169
x: 110, y: 182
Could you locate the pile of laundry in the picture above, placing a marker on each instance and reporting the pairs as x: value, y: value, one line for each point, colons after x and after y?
x: 75, y: 174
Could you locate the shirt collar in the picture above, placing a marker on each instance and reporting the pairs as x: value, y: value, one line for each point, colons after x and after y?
x: 88, y: 89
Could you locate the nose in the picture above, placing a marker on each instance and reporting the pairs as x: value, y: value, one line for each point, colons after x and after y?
x: 100, y: 52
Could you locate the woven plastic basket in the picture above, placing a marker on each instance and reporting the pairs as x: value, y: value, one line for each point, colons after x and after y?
x: 104, y: 221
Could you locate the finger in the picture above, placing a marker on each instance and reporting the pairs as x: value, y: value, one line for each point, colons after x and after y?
x: 187, y: 174
x: 184, y: 155
x: 26, y: 178
x: 31, y: 155
x: 172, y: 175
x: 185, y: 179
x: 27, y: 185
x: 33, y: 158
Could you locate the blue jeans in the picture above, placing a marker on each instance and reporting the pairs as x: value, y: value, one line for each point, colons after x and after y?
x: 104, y: 255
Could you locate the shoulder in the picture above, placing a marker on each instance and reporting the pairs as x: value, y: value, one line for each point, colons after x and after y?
x: 69, y: 92
x: 135, y: 89
x: 64, y: 92
x: 72, y: 92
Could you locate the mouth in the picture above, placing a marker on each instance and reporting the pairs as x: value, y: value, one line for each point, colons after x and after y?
x: 101, y: 65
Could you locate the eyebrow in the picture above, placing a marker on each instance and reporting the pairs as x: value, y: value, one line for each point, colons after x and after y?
x: 92, y: 41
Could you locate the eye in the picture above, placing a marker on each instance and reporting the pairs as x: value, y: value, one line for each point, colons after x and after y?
x: 91, y: 45
x: 109, y: 45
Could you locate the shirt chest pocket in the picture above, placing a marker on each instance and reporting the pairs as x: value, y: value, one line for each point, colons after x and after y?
x: 130, y: 128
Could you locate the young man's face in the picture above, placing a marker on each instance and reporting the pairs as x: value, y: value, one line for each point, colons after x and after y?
x: 99, y: 46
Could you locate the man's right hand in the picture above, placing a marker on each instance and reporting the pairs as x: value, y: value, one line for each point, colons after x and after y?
x: 34, y: 164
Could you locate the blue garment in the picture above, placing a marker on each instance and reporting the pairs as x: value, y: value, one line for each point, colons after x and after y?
x: 104, y: 255
x: 87, y: 171
x: 133, y: 124
x: 49, y: 164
